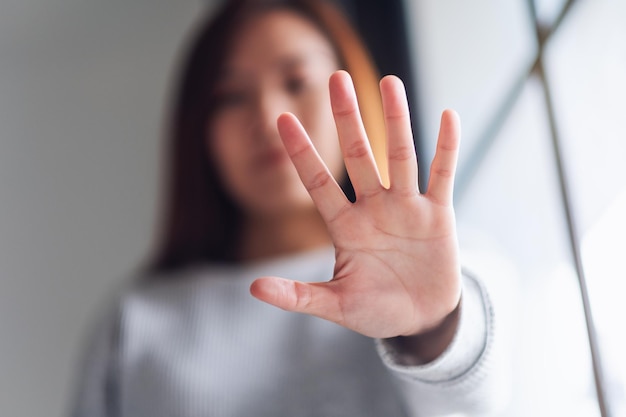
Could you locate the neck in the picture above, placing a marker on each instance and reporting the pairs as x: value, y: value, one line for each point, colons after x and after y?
x: 270, y: 236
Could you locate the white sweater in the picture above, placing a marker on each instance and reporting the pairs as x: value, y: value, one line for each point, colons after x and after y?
x: 198, y: 344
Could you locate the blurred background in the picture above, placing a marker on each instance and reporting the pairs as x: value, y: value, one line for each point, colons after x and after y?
x: 540, y: 87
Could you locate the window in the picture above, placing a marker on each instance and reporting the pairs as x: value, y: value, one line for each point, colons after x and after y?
x: 540, y: 88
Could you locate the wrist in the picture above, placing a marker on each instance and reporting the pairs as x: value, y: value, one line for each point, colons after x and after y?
x: 428, y: 345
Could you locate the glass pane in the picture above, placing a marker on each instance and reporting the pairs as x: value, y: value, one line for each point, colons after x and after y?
x: 548, y: 11
x: 468, y: 55
x: 586, y: 65
x: 514, y: 201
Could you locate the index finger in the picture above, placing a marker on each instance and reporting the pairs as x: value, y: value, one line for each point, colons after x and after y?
x: 317, y: 179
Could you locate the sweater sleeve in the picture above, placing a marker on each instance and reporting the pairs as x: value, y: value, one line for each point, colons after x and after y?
x: 97, y: 389
x: 467, y: 376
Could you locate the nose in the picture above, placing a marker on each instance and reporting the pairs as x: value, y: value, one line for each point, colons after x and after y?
x: 268, y: 106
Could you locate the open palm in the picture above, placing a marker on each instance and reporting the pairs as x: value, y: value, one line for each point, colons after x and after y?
x: 397, y: 270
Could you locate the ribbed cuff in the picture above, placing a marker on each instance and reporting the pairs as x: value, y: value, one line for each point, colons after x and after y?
x: 472, y: 338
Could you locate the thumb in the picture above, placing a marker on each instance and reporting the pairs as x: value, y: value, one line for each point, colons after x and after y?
x: 317, y: 299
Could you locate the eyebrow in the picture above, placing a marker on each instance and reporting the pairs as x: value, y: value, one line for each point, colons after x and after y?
x: 294, y: 60
x: 286, y: 62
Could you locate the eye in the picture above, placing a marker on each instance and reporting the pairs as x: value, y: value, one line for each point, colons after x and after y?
x: 230, y: 99
x: 295, y: 85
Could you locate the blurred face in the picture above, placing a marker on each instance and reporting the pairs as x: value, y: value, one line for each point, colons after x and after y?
x: 280, y: 62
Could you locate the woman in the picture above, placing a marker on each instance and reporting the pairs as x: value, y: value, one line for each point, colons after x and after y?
x: 252, y: 197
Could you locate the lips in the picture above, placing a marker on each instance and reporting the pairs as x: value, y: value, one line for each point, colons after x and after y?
x: 270, y: 159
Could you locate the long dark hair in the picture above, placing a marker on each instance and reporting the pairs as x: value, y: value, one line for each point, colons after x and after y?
x: 200, y: 222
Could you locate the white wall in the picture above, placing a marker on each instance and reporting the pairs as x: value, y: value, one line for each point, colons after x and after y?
x: 82, y: 93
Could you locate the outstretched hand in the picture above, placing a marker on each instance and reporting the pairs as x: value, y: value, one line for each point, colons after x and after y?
x: 397, y: 270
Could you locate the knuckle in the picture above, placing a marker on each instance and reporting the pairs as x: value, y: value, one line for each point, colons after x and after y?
x: 345, y: 112
x: 447, y: 147
x: 397, y: 115
x: 443, y: 172
x: 358, y: 149
x: 402, y: 153
x: 303, y: 296
x: 299, y: 152
x: 318, y: 180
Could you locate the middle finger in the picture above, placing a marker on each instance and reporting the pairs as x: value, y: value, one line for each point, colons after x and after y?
x: 355, y: 147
